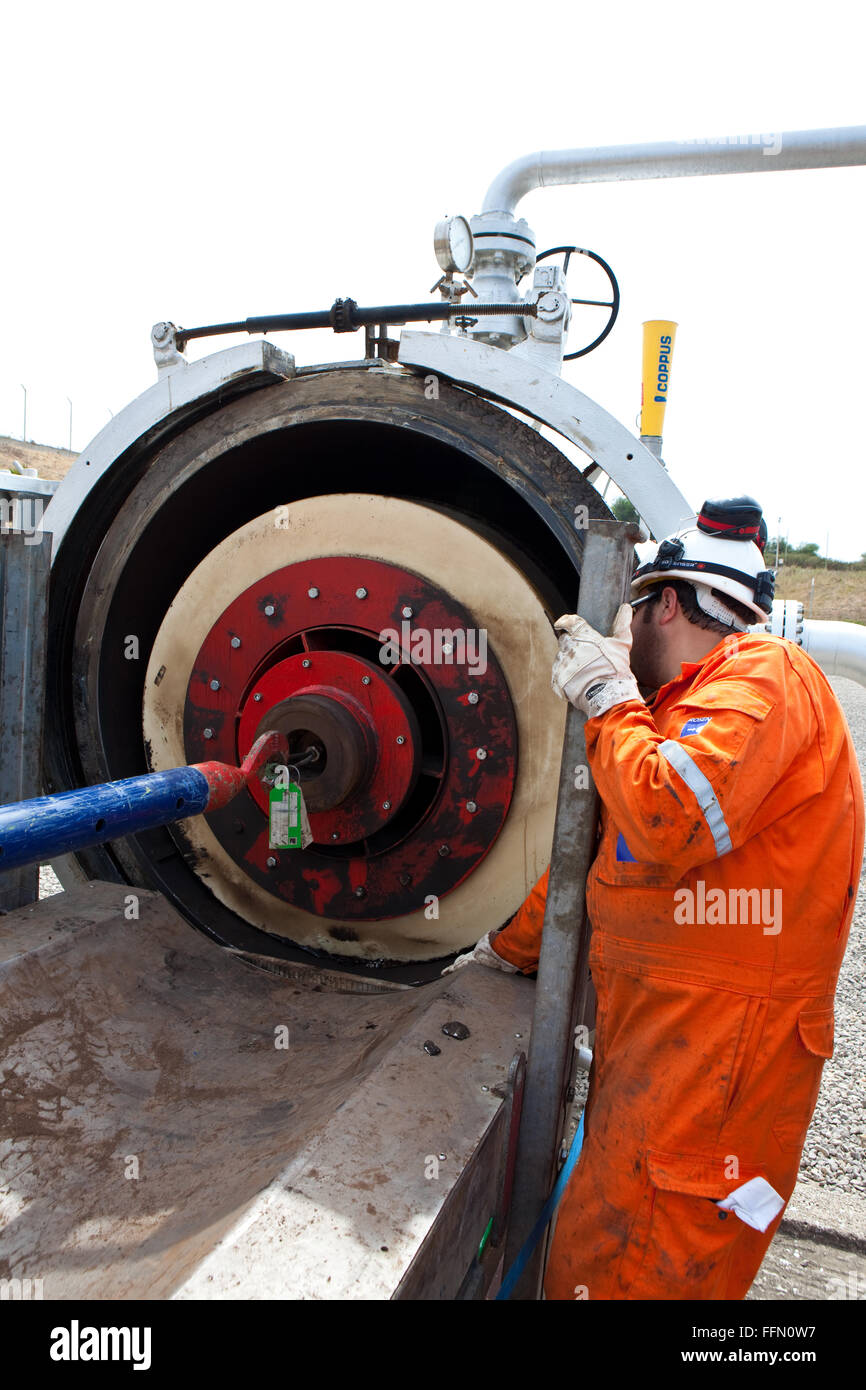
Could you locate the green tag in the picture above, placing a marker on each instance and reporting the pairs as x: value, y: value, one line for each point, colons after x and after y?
x: 288, y: 824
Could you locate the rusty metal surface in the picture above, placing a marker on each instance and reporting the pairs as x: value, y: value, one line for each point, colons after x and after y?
x: 156, y: 1141
x: 415, y: 778
x: 24, y: 571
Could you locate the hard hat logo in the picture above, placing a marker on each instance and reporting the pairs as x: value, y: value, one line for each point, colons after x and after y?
x: 721, y: 556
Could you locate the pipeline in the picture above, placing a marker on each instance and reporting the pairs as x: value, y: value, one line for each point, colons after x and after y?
x: 838, y: 648
x: 791, y: 149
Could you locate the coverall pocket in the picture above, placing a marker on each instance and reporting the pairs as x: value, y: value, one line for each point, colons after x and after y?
x: 734, y: 695
x: 748, y: 1044
x: 810, y: 1047
x: 689, y: 1241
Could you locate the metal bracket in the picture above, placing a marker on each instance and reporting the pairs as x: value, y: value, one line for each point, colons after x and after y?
x: 548, y: 329
x: 504, y: 376
x: 166, y: 353
x: 183, y: 390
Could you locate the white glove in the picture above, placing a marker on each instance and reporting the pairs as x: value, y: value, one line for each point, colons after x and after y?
x: 593, y: 671
x: 482, y: 954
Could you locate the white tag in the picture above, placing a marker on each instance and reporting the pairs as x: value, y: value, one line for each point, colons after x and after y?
x: 279, y: 824
x: 755, y: 1202
x: 306, y: 832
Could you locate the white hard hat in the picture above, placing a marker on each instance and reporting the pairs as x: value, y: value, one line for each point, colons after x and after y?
x: 719, y: 554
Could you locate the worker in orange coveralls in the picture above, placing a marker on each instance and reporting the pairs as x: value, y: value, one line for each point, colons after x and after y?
x: 720, y: 898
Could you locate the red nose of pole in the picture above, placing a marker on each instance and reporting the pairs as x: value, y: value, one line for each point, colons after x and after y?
x: 226, y: 781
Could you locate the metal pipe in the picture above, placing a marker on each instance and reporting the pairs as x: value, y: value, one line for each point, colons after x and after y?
x: 750, y: 154
x: 605, y: 573
x: 345, y: 316
x: 838, y: 648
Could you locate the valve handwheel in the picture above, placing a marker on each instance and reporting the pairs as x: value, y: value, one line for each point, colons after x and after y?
x: 612, y: 304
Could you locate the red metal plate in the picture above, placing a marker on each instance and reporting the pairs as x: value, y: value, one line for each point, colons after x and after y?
x: 386, y: 715
x: 338, y: 611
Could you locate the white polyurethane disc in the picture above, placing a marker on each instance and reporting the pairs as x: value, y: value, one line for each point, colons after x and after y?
x: 499, y: 599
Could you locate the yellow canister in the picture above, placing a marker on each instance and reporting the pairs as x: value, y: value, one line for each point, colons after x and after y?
x: 658, y: 352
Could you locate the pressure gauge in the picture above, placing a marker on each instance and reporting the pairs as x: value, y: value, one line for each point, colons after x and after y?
x: 453, y: 244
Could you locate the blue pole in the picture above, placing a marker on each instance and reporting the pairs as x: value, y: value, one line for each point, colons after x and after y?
x: 33, y: 832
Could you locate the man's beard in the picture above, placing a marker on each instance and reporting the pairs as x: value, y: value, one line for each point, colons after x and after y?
x: 646, y: 656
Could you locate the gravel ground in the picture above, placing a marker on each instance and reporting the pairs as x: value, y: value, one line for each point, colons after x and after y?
x: 834, y: 1151
x: 49, y: 883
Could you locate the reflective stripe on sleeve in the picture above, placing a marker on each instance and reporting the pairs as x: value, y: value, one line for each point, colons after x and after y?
x: 683, y: 763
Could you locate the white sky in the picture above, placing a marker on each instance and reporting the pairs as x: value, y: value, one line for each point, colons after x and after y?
x: 207, y: 161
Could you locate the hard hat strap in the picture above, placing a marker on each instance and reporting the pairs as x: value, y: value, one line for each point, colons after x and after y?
x: 701, y: 567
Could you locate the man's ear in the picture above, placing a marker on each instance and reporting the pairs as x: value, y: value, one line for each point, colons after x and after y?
x: 670, y: 604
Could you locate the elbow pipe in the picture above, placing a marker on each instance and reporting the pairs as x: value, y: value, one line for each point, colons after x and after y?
x: 766, y: 153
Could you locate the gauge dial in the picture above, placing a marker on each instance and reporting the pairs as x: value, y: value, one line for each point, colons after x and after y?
x: 453, y: 244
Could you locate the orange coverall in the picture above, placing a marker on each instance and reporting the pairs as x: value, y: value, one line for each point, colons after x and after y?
x: 715, y: 1009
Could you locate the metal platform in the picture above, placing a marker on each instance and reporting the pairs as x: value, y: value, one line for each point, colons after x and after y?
x: 159, y: 1140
